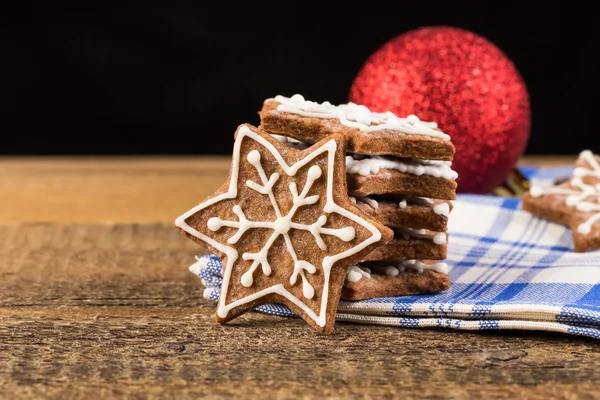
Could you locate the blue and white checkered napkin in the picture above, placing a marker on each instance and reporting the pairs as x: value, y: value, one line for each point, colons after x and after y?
x: 509, y: 270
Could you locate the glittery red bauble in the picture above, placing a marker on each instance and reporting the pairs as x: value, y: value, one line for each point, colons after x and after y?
x: 464, y: 83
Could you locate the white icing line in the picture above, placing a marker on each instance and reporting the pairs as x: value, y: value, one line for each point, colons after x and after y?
x: 442, y: 209
x: 370, y: 165
x: 357, y: 272
x: 437, y: 237
x: 358, y: 116
x: 439, y: 209
x: 579, y: 191
x: 440, y: 238
x: 395, y: 268
x: 232, y: 255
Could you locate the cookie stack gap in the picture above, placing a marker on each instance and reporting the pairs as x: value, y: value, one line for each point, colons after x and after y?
x: 399, y: 171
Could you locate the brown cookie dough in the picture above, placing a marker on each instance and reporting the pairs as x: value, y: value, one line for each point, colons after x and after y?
x: 398, y: 213
x: 400, y: 248
x: 390, y: 181
x: 385, y: 141
x: 284, y: 227
x: 404, y: 284
x: 552, y: 208
x: 555, y: 209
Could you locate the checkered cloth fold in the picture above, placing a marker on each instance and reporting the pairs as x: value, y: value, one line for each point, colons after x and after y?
x: 509, y: 270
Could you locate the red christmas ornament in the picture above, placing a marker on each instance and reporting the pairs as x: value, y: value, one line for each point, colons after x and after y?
x: 464, y: 83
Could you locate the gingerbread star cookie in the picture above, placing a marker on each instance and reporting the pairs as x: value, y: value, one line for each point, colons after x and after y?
x: 284, y: 227
x: 574, y: 203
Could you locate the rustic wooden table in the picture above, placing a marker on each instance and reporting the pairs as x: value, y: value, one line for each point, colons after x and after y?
x: 96, y: 301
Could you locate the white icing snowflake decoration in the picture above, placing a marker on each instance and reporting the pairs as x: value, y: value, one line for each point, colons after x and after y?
x: 281, y: 225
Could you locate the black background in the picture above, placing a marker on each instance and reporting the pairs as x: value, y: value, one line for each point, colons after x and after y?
x: 142, y: 79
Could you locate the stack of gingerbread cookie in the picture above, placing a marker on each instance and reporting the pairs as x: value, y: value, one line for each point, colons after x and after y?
x: 399, y: 172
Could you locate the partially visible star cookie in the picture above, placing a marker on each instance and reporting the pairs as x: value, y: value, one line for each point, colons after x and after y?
x: 574, y: 203
x: 284, y: 227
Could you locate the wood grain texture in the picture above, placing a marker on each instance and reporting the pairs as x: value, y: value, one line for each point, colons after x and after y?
x: 110, y: 311
x: 104, y: 189
x: 119, y: 189
x: 97, y: 302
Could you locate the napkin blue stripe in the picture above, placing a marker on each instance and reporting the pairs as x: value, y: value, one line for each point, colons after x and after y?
x: 509, y: 270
